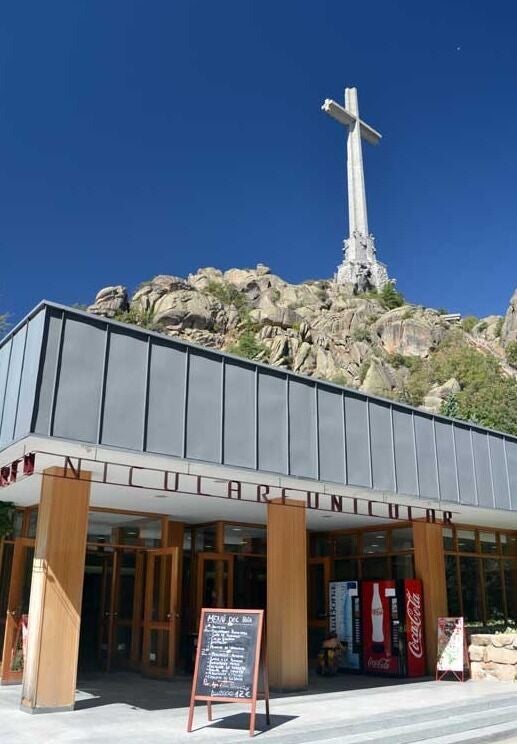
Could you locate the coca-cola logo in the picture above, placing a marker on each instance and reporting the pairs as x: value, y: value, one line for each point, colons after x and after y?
x: 378, y: 664
x: 414, y: 614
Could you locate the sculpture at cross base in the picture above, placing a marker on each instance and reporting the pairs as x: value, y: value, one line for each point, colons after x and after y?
x: 360, y: 266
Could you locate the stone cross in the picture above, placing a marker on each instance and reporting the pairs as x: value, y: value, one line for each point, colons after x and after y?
x: 360, y: 267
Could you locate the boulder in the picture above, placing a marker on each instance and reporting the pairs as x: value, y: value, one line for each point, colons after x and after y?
x: 501, y: 672
x: 480, y: 639
x: 185, y: 309
x: 439, y: 393
x: 477, y: 653
x: 202, y: 278
x: 501, y: 655
x: 379, y: 379
x: 110, y: 301
x: 509, y: 329
x: 502, y: 640
x: 400, y: 333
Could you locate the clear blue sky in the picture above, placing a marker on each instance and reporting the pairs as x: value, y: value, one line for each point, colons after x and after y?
x: 140, y: 137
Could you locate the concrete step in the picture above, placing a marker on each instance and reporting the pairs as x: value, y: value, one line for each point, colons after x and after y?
x: 466, y: 723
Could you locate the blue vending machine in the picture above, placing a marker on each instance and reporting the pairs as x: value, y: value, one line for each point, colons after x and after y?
x: 345, y: 621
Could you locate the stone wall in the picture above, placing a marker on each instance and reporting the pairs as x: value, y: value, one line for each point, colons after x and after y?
x: 494, y: 657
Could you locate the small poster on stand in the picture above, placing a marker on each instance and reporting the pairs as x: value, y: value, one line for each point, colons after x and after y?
x: 452, y: 654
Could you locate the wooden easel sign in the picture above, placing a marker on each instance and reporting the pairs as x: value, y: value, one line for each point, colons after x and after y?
x: 228, y: 659
x: 452, y: 656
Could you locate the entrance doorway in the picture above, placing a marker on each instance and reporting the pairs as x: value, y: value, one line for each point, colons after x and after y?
x: 130, y: 609
x: 15, y: 585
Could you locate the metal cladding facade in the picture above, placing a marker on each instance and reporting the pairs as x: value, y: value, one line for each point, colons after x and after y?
x: 70, y: 375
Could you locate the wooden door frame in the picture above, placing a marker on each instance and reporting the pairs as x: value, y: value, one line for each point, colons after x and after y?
x: 201, y: 558
x: 169, y: 626
x: 7, y: 676
x: 326, y: 561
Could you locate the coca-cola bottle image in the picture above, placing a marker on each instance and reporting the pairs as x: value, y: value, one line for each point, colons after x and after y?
x: 377, y: 622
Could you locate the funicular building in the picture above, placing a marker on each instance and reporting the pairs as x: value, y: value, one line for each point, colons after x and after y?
x: 153, y: 477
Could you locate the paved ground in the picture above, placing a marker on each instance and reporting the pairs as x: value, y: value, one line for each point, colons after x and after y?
x: 344, y: 710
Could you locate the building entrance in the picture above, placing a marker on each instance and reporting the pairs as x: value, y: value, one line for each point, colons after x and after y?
x: 16, y: 559
x: 130, y: 610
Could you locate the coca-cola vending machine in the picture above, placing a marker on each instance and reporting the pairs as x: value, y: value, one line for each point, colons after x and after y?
x: 392, y: 624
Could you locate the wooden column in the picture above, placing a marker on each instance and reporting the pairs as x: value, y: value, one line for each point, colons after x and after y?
x: 56, y: 593
x: 287, y: 596
x: 430, y: 568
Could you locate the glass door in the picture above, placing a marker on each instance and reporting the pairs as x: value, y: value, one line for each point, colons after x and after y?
x: 214, y: 580
x: 161, y: 612
x: 318, y: 577
x: 126, y: 596
x: 20, y: 560
x: 108, y: 592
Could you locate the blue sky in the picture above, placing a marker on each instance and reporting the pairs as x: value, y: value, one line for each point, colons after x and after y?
x: 140, y: 137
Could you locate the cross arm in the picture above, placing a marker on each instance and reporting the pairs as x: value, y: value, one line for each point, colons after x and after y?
x: 343, y: 117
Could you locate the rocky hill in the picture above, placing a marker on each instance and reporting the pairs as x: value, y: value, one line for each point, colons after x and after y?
x: 372, y: 341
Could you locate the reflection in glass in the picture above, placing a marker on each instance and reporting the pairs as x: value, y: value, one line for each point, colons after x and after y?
x: 346, y: 545
x: 402, y: 538
x: 451, y: 578
x: 317, y: 591
x: 466, y: 541
x: 243, y: 539
x: 448, y: 538
x: 374, y: 542
x: 159, y: 648
x: 402, y: 567
x: 6, y: 563
x: 346, y: 570
x: 510, y: 582
x: 249, y: 582
x: 488, y: 542
x: 375, y: 568
x: 493, y: 590
x: 470, y: 569
x: 509, y: 544
x: 205, y: 539
x: 319, y: 544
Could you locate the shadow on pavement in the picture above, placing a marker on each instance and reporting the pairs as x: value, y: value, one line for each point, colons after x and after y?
x: 241, y: 722
x: 136, y: 691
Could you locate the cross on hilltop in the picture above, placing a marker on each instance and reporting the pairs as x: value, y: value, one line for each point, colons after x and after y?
x: 360, y: 266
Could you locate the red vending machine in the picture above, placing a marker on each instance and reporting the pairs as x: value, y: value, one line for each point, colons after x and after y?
x: 392, y: 621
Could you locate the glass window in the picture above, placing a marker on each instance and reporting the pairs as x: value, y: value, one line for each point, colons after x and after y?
x: 346, y: 570
x: 509, y: 544
x: 249, y: 583
x: 488, y: 542
x: 402, y: 538
x: 243, y: 539
x: 470, y: 570
x: 402, y: 567
x: 510, y: 582
x: 448, y: 538
x: 124, y: 529
x: 493, y: 590
x: 205, y: 539
x: 345, y: 545
x: 451, y: 578
x: 319, y: 544
x: 466, y: 541
x: 374, y: 542
x: 375, y: 568
x: 317, y: 591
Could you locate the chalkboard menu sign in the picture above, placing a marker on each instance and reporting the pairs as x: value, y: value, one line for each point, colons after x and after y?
x: 228, y: 660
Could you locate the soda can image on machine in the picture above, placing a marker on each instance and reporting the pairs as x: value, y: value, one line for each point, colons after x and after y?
x: 345, y: 621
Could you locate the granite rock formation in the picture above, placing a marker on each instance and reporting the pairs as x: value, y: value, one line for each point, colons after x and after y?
x: 317, y: 328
